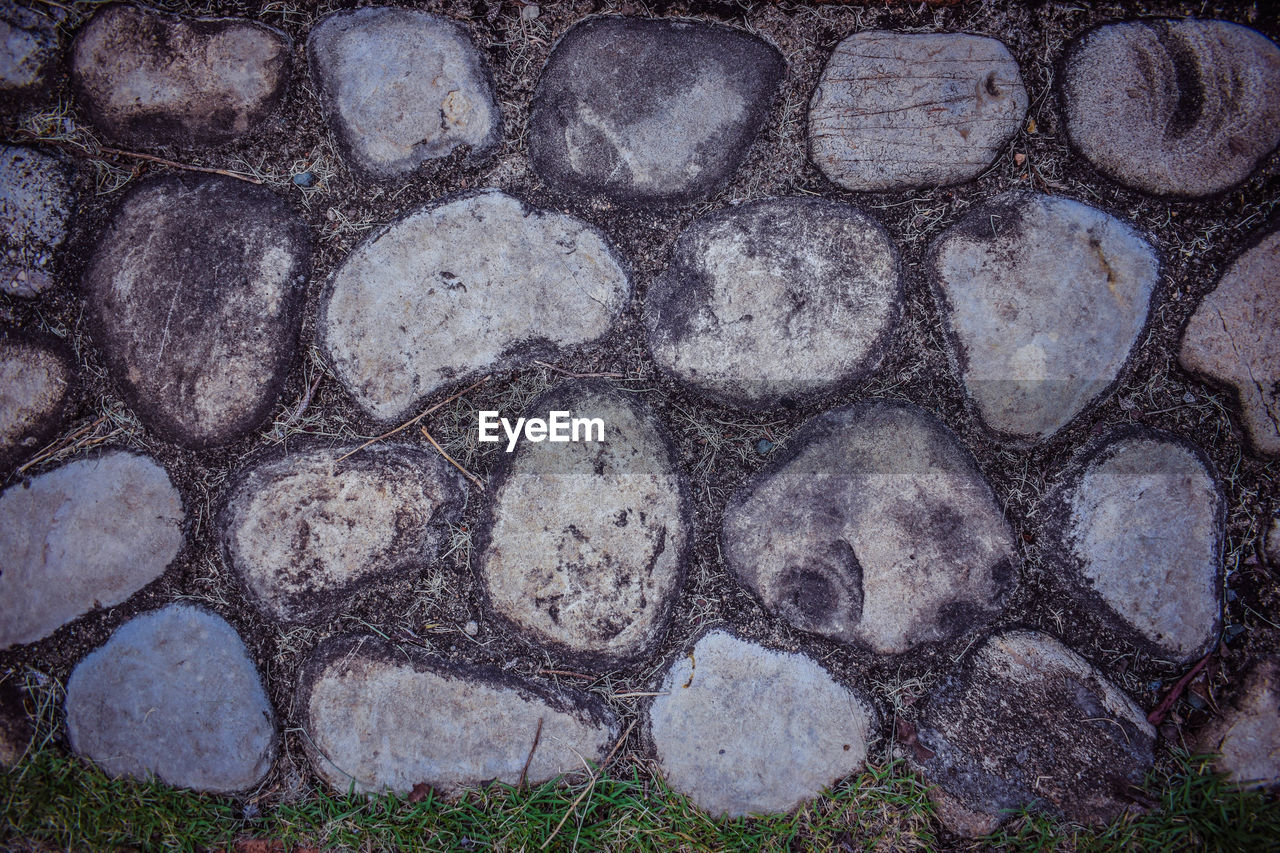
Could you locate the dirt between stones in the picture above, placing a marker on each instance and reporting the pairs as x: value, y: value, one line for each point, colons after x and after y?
x: 716, y: 446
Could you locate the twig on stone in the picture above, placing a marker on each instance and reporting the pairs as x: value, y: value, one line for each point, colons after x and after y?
x: 71, y: 442
x: 1156, y: 717
x: 638, y: 695
x: 569, y: 673
x: 590, y: 785
x: 537, y: 736
x: 413, y: 420
x: 117, y: 152
x: 573, y: 375
x: 472, y: 477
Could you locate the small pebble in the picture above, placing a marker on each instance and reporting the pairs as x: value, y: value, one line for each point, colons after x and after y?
x: 1188, y: 398
x: 763, y: 446
x: 471, y: 628
x: 306, y: 180
x: 530, y: 12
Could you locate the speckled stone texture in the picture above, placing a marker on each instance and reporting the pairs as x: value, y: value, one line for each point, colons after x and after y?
x: 37, y: 373
x: 649, y: 112
x: 401, y: 87
x: 903, y: 110
x: 1246, y: 734
x: 28, y: 53
x: 36, y: 200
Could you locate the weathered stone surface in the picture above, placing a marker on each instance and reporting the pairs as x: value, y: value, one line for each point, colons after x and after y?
x: 741, y: 729
x: 1234, y: 339
x: 382, y: 718
x: 1246, y: 735
x: 303, y: 529
x: 89, y: 534
x: 901, y: 110
x: 1043, y: 298
x: 402, y: 87
x: 148, y: 79
x: 1136, y: 529
x: 1028, y: 722
x: 16, y: 731
x: 195, y: 295
x: 1173, y: 107
x: 650, y: 112
x: 774, y: 300
x: 495, y: 279
x: 173, y: 694
x: 596, y: 577
x: 873, y: 526
x: 36, y: 374
x: 35, y: 204
x: 28, y: 53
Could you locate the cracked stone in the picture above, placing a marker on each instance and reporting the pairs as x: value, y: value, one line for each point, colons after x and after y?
x: 1234, y: 339
x: 597, y: 580
x: 173, y: 694
x: 775, y: 300
x: 382, y: 718
x: 1246, y: 735
x: 650, y: 112
x: 741, y: 729
x: 28, y: 54
x: 305, y: 530
x: 36, y: 199
x: 401, y: 87
x: 83, y: 536
x: 556, y: 283
x: 904, y: 110
x: 1043, y: 299
x: 1173, y: 107
x: 1136, y: 529
x: 194, y: 294
x: 148, y: 79
x: 1029, y: 723
x: 873, y: 526
x: 36, y: 375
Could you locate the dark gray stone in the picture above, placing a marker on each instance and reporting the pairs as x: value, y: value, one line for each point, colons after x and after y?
x: 147, y: 79
x: 873, y: 526
x: 900, y: 110
x: 303, y: 530
x: 173, y: 694
x: 194, y: 295
x: 383, y: 718
x: 1043, y: 299
x: 1246, y: 734
x: 86, y: 535
x: 401, y: 87
x: 37, y: 372
x: 36, y: 199
x: 741, y: 729
x: 1029, y: 723
x: 1173, y: 107
x: 28, y: 53
x: 775, y: 300
x: 650, y: 112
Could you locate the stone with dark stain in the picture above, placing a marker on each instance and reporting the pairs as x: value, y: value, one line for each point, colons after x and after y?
x: 148, y: 79
x: 37, y: 373
x: 1173, y: 107
x: 379, y: 718
x: 1043, y: 299
x: 28, y: 53
x: 650, y: 112
x: 1245, y: 733
x: 873, y: 526
x: 401, y: 87
x: 1029, y: 723
x: 897, y: 111
x: 1233, y: 339
x: 195, y: 295
x: 775, y: 300
x: 305, y: 528
x: 36, y: 200
x: 554, y: 561
x: 1135, y: 528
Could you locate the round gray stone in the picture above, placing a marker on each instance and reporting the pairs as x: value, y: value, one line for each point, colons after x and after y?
x: 496, y: 281
x: 596, y: 578
x: 1028, y: 722
x: 35, y: 205
x: 741, y: 729
x: 148, y: 79
x: 873, y: 526
x: 1043, y: 299
x: 902, y: 110
x: 194, y: 294
x: 1136, y: 529
x: 28, y: 53
x: 650, y: 112
x: 86, y: 535
x: 304, y: 530
x: 401, y: 87
x: 1173, y: 107
x: 173, y: 694
x: 1246, y: 735
x: 383, y: 718
x: 36, y: 375
x: 1234, y: 339
x: 775, y: 300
